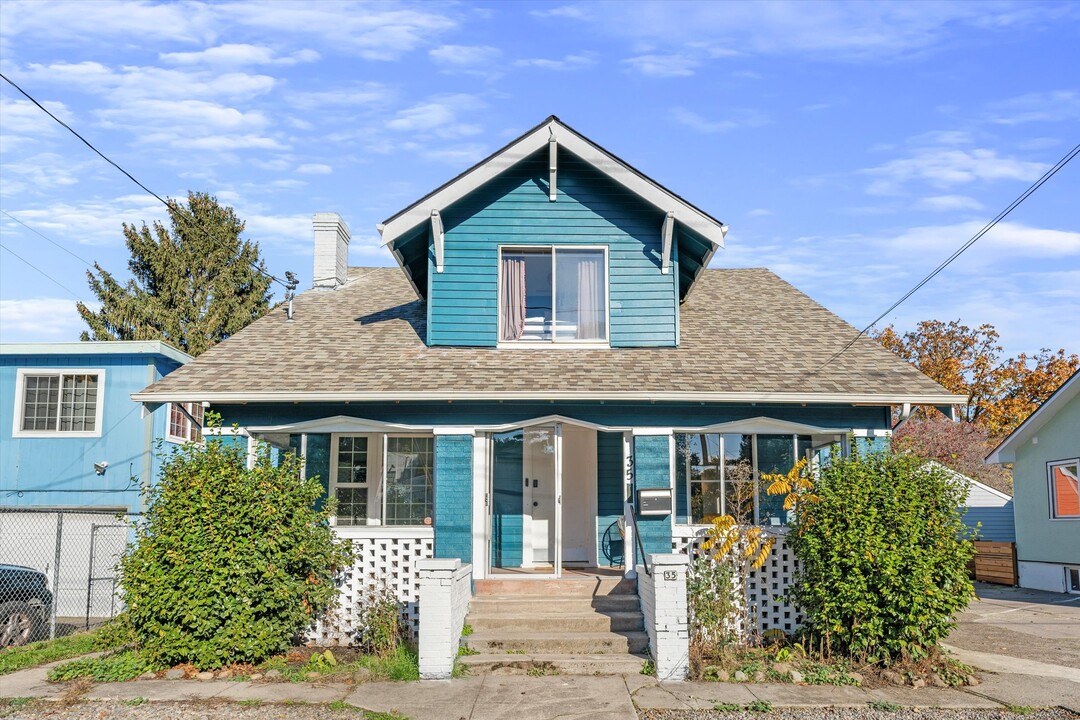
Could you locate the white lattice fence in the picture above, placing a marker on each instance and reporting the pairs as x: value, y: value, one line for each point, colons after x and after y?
x: 385, y: 559
x: 766, y: 586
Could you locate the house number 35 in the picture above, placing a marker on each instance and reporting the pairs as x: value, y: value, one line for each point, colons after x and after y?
x: 671, y: 575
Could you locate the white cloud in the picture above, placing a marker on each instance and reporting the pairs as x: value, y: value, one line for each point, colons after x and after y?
x: 735, y: 119
x: 948, y: 203
x: 464, y: 56
x: 342, y: 96
x: 947, y: 167
x: 135, y: 82
x: 93, y: 222
x: 1056, y: 106
x: 238, y: 54
x: 22, y: 116
x: 759, y: 212
x: 665, y: 66
x: 189, y: 22
x: 572, y: 12
x: 186, y: 116
x: 440, y: 117
x: 314, y: 169
x: 573, y: 61
x: 1005, y: 239
x: 39, y: 318
x: 43, y: 171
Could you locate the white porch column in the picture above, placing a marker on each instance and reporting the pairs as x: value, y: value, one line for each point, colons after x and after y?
x: 663, y: 603
x: 445, y: 591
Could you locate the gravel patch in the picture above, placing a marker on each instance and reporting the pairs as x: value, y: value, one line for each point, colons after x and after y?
x: 857, y: 714
x: 205, y: 710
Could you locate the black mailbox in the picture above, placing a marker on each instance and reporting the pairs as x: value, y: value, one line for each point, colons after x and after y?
x: 656, y: 501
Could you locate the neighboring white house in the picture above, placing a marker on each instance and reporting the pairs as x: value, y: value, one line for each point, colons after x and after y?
x: 1045, y: 455
x: 987, y: 509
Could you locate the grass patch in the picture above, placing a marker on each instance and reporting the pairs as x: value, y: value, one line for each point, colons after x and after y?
x: 47, y: 651
x: 402, y: 664
x: 885, y: 706
x: 762, y: 706
x: 727, y: 707
x: 114, y: 667
x: 1020, y: 709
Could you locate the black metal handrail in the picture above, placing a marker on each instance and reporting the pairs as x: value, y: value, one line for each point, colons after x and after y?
x: 637, y: 538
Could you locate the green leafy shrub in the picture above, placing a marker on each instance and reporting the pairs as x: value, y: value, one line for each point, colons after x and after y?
x: 380, y: 624
x: 230, y: 563
x: 114, y: 667
x: 883, y: 556
x: 714, y: 605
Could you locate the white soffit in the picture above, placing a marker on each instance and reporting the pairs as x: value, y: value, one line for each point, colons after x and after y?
x: 535, y: 140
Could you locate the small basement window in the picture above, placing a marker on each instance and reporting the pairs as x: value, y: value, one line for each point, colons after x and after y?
x: 553, y: 294
x: 1064, y: 488
x: 59, y: 403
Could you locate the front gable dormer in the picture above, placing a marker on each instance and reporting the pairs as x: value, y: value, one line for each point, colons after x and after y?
x: 552, y: 241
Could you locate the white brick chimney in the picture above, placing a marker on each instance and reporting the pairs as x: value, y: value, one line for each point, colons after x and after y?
x: 331, y: 251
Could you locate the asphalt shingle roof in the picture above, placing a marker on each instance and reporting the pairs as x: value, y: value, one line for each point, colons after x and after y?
x: 742, y: 331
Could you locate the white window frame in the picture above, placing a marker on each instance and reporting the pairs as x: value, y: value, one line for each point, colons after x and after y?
x: 605, y: 342
x: 20, y: 397
x: 382, y: 476
x: 1050, y: 487
x: 169, y: 437
x: 376, y: 448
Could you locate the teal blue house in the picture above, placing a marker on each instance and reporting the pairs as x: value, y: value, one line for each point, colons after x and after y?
x: 70, y: 435
x: 552, y: 351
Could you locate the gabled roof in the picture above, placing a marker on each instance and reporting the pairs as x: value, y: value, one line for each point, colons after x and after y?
x: 746, y: 336
x: 1006, y: 451
x: 405, y: 233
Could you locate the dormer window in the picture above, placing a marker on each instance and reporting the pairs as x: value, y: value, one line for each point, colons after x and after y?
x: 553, y: 294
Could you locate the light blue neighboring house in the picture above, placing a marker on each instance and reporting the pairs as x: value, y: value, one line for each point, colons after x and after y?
x: 550, y: 347
x: 70, y: 434
x: 986, y: 509
x: 1044, y: 452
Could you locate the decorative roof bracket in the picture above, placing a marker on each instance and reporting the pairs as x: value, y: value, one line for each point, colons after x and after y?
x: 667, y: 233
x: 437, y: 236
x: 553, y: 164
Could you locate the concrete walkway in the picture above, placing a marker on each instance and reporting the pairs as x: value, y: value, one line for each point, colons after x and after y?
x: 547, y: 698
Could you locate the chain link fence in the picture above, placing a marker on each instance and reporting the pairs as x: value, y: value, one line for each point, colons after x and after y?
x: 58, y: 570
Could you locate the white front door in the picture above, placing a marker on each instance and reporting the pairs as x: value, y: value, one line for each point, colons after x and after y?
x: 540, y: 497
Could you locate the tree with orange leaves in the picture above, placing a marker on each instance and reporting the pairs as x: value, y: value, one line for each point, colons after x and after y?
x: 1000, y: 393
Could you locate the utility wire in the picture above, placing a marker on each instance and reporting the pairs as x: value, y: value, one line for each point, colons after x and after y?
x: 960, y: 251
x: 47, y: 275
x: 89, y: 265
x: 171, y: 206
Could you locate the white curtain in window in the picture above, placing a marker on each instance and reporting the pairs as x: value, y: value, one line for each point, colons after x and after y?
x: 512, y: 306
x: 590, y: 299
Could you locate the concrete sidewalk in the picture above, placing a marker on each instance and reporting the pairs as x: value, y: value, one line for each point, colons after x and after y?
x: 546, y: 698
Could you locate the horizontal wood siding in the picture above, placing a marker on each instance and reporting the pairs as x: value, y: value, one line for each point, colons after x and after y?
x: 995, y: 562
x: 514, y: 209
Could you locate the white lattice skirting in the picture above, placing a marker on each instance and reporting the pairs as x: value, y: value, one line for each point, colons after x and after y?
x: 385, y: 557
x: 767, y: 585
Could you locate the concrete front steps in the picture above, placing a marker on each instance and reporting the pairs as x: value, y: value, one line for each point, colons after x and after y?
x: 573, y: 626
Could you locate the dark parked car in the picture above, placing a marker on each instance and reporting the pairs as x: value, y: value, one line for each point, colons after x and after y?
x: 25, y: 605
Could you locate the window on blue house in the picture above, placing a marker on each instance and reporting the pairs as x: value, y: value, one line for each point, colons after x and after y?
x: 721, y: 474
x: 381, y: 479
x: 556, y: 294
x: 59, y: 403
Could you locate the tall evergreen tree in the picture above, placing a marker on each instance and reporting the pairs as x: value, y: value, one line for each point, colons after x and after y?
x: 192, y: 286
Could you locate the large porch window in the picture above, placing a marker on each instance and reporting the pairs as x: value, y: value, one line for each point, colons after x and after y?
x: 553, y: 294
x: 720, y: 474
x: 381, y: 479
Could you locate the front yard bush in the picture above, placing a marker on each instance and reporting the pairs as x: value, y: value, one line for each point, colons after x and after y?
x: 883, y: 554
x: 230, y: 564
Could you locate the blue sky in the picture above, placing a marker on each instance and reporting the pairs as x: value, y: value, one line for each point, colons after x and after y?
x: 850, y: 146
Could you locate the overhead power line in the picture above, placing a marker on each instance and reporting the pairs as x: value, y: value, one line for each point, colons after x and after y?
x: 193, y: 223
x: 47, y: 275
x: 960, y: 251
x: 89, y: 265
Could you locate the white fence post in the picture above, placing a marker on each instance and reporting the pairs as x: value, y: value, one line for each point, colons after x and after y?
x: 629, y: 548
x: 663, y: 603
x: 445, y: 591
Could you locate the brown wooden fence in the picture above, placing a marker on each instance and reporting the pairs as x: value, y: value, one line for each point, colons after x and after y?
x: 995, y: 562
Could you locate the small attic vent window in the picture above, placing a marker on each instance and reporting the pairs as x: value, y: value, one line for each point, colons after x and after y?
x: 553, y: 294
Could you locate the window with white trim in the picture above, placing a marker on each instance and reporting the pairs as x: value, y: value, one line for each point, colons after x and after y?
x: 378, y: 479
x: 59, y: 402
x: 553, y: 294
x: 181, y: 429
x: 1064, y: 477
